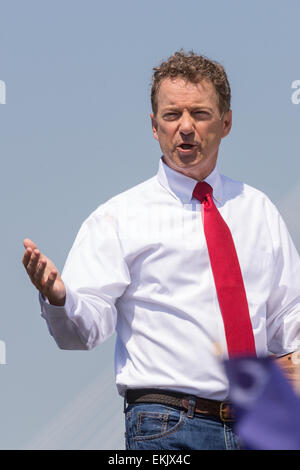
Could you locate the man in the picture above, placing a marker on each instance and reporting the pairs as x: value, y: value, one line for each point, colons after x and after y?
x: 184, y: 278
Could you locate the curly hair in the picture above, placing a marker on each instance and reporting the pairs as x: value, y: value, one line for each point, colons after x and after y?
x: 193, y: 68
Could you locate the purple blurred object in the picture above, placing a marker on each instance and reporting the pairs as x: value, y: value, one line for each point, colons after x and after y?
x: 267, y: 408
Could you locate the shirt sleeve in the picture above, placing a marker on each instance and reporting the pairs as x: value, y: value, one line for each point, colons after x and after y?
x: 95, y: 275
x: 283, y: 305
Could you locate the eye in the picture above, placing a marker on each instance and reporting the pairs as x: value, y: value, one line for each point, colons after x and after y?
x: 170, y: 116
x: 201, y: 114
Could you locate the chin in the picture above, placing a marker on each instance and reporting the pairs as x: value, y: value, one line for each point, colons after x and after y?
x: 195, y: 170
x: 189, y: 163
x: 186, y: 165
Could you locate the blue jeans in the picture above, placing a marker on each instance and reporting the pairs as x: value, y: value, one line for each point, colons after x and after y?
x: 159, y: 427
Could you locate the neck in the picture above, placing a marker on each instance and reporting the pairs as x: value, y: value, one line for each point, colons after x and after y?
x: 196, y: 173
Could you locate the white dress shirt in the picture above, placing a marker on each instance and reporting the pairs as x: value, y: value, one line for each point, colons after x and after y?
x: 140, y: 266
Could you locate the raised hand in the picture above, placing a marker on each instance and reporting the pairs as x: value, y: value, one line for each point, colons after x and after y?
x: 43, y: 274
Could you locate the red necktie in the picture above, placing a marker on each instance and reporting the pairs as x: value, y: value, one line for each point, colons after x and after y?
x: 227, y: 276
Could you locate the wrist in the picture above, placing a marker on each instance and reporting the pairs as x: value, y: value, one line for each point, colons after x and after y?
x: 57, y: 302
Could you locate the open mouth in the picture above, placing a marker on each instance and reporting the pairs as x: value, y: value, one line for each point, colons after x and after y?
x: 186, y: 147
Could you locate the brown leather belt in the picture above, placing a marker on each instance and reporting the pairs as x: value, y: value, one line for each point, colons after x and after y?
x: 222, y: 410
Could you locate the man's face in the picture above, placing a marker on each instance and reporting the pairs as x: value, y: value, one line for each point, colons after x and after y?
x: 188, y: 126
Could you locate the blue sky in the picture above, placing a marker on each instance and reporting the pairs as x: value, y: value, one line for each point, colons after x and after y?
x: 75, y: 130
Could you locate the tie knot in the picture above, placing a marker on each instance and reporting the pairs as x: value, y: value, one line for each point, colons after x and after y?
x: 201, y: 190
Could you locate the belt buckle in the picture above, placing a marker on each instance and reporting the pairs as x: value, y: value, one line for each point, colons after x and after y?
x: 226, y: 408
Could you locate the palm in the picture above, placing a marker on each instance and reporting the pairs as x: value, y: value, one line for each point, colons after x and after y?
x: 43, y: 274
x: 57, y: 289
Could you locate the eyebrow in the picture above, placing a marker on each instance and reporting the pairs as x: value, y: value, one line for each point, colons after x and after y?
x: 172, y: 107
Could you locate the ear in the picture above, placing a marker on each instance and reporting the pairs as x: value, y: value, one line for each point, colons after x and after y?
x: 154, y: 126
x: 227, y: 123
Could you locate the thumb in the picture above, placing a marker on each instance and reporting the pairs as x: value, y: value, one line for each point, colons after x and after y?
x: 29, y: 243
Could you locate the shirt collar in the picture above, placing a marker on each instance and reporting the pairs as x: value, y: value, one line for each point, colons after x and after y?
x: 182, y: 186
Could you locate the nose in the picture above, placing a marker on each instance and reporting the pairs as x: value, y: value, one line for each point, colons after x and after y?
x: 186, y: 123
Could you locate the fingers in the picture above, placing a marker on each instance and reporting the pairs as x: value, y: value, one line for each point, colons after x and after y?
x: 40, y: 271
x: 43, y: 274
x: 50, y: 281
x: 35, y: 265
x: 29, y: 244
x: 32, y: 261
x: 26, y: 257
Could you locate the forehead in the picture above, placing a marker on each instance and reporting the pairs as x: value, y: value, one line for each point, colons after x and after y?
x: 180, y: 92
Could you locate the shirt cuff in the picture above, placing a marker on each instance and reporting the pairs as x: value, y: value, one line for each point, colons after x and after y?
x: 49, y: 310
